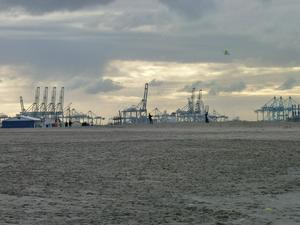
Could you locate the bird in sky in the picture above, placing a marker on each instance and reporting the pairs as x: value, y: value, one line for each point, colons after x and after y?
x: 226, y: 52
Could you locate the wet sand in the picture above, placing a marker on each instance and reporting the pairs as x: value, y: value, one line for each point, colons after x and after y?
x: 215, y: 174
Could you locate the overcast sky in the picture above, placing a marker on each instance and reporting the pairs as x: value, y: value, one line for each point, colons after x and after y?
x: 103, y: 51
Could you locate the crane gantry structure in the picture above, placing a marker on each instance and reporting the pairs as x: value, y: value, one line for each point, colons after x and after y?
x: 55, y: 111
x: 44, y: 109
x: 279, y: 109
x: 89, y: 118
x: 195, y: 110
x: 134, y: 114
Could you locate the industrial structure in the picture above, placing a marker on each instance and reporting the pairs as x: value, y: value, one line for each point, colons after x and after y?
x: 134, y: 114
x: 21, y: 122
x: 54, y: 113
x: 89, y: 118
x: 194, y: 111
x: 44, y: 110
x: 279, y: 109
x: 163, y: 117
x: 3, y: 116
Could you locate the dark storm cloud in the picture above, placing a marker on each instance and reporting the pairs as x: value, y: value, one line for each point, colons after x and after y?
x: 214, y: 87
x: 93, y: 86
x: 237, y: 86
x: 56, y: 58
x: 103, y: 85
x: 90, y: 48
x: 190, y: 8
x: 43, y: 6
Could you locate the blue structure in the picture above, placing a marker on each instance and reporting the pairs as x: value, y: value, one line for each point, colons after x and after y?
x: 21, y: 122
x: 279, y: 109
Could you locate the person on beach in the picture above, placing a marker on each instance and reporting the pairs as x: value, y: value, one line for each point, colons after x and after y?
x: 206, y: 117
x: 150, y: 118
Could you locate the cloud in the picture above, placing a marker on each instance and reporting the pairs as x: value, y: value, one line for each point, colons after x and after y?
x: 44, y: 6
x: 168, y: 42
x: 216, y: 78
x: 265, y: 2
x: 215, y: 87
x: 103, y: 85
x: 156, y: 83
x: 288, y: 84
x: 190, y: 8
x: 93, y: 85
x: 117, y: 31
x: 77, y: 82
x: 196, y: 85
x: 236, y: 86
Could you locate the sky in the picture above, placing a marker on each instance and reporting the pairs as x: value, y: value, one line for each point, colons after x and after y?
x: 104, y: 51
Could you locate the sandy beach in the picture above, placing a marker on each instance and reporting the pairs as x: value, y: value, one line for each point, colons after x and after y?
x: 215, y: 174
